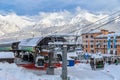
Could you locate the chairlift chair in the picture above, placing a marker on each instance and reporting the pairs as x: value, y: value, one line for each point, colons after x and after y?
x: 39, y: 62
x: 97, y: 63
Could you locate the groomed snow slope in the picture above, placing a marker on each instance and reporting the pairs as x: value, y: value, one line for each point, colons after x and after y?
x: 78, y: 72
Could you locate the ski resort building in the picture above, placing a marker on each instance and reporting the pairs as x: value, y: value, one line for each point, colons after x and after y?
x: 101, y: 41
x: 109, y: 43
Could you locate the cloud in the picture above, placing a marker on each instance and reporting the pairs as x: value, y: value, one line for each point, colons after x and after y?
x: 32, y: 7
x: 100, y: 5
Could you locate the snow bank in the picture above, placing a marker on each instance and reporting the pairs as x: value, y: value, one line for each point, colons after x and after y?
x: 96, y: 56
x: 78, y: 72
x: 107, y: 55
x: 7, y: 55
x: 13, y: 72
x: 113, y: 70
x: 84, y: 72
x: 71, y: 54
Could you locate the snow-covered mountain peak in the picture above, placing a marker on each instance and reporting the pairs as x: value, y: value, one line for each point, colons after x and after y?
x: 13, y: 23
x: 20, y: 21
x: 88, y: 17
x: 54, y: 19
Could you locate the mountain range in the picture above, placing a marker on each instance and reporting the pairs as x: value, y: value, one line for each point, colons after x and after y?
x: 15, y: 27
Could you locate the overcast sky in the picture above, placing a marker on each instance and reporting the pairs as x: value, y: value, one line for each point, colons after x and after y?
x: 34, y: 7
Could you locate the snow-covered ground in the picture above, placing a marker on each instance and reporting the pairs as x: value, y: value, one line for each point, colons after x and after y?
x: 78, y: 72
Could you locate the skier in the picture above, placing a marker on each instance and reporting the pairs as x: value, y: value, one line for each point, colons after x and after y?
x: 92, y: 64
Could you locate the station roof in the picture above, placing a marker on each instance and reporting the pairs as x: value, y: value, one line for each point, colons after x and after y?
x: 64, y: 35
x: 92, y: 32
x: 108, y: 35
x: 30, y: 41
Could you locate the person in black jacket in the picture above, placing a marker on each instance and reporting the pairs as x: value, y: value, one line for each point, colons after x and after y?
x: 92, y: 63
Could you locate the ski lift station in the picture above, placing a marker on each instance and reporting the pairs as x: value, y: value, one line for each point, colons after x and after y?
x: 34, y: 52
